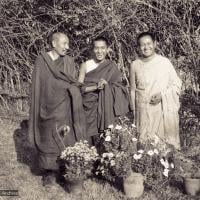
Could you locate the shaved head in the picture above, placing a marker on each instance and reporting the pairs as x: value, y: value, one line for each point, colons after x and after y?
x: 57, y: 36
x: 60, y: 43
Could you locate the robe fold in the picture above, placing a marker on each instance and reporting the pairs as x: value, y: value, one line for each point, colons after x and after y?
x: 103, y: 106
x: 157, y: 122
x: 56, y: 101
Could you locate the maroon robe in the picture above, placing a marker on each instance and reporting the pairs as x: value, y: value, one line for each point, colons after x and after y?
x: 56, y: 101
x: 103, y: 106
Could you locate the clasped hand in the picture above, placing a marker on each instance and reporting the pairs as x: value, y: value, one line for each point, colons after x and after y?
x: 156, y: 98
x: 101, y: 84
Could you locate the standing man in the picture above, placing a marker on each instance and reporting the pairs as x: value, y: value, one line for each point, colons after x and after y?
x: 155, y: 90
x: 56, y: 103
x: 104, y: 96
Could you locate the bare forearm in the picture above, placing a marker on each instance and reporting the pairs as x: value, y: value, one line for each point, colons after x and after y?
x: 91, y: 88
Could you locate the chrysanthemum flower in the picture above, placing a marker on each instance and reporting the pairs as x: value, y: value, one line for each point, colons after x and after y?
x: 108, y: 138
x: 111, y: 126
x: 166, y: 172
x: 150, y: 152
x: 141, y: 151
x: 118, y: 127
x: 134, y: 139
x: 112, y: 163
x: 137, y: 156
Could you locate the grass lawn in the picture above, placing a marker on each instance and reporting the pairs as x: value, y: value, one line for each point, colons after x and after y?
x: 16, y: 159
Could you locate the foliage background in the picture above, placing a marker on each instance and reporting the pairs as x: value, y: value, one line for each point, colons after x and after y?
x: 27, y: 24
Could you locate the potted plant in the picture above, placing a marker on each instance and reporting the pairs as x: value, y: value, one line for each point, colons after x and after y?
x: 155, y: 168
x: 118, y: 144
x: 78, y: 162
x: 189, y: 170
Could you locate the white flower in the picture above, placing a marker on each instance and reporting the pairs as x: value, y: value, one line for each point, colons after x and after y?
x: 134, y: 139
x: 112, y: 163
x: 108, y: 138
x: 104, y: 155
x: 156, y: 151
x: 137, y: 156
x: 110, y: 155
x: 141, y: 151
x: 111, y: 126
x: 108, y: 133
x: 165, y: 173
x: 117, y: 156
x: 133, y: 125
x: 118, y: 127
x: 164, y: 163
x: 172, y: 165
x: 109, y: 8
x: 87, y: 158
x: 97, y: 173
x: 150, y: 152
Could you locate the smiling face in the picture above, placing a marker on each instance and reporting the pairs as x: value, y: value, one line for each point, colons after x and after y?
x: 100, y: 50
x: 61, y: 44
x: 147, y: 46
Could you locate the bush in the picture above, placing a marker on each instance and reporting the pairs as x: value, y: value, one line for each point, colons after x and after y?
x: 26, y: 25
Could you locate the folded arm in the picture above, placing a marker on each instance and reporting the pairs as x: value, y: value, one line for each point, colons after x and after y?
x: 96, y: 86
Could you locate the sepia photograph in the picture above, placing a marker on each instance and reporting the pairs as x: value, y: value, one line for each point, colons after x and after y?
x: 100, y: 99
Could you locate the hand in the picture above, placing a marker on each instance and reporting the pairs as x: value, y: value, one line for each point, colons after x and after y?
x: 101, y: 84
x: 156, y: 99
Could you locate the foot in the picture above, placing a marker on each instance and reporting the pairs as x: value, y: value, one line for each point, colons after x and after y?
x: 49, y: 178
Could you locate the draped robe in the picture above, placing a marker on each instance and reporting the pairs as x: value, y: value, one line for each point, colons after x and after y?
x: 157, y: 122
x: 103, y: 106
x: 56, y: 101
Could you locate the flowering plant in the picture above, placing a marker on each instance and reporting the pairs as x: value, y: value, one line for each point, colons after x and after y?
x: 122, y: 137
x: 117, y: 143
x: 186, y: 165
x: 153, y: 164
x: 78, y: 161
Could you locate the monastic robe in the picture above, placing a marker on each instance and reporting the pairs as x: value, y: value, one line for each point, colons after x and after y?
x: 103, y: 106
x: 157, y: 122
x: 56, y: 101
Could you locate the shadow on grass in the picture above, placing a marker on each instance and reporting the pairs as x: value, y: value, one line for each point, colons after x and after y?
x: 25, y: 153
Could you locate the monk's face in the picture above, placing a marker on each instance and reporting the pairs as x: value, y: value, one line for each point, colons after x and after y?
x: 147, y: 46
x: 100, y: 50
x: 61, y: 45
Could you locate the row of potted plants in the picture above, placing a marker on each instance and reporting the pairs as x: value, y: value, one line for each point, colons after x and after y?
x: 122, y: 155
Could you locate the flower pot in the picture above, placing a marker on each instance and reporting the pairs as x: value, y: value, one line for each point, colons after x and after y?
x: 192, y: 185
x: 133, y: 185
x: 75, y: 186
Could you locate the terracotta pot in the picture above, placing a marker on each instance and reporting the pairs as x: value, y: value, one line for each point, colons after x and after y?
x: 192, y: 185
x: 75, y: 186
x: 133, y: 185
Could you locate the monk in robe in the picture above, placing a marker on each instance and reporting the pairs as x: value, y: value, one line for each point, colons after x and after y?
x: 155, y: 90
x: 56, y: 104
x: 104, y: 96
